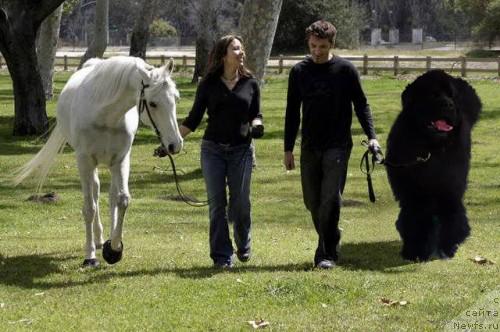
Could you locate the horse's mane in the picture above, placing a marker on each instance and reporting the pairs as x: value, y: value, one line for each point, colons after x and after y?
x: 108, y: 79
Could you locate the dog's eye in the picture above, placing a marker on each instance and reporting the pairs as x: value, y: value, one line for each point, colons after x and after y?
x: 152, y: 104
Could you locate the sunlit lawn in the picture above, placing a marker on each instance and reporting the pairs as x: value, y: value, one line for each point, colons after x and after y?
x: 165, y: 281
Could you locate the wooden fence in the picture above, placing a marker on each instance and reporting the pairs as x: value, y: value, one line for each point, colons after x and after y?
x: 365, y: 64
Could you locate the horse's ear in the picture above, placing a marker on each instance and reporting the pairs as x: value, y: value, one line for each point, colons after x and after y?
x: 170, y: 65
x: 167, y: 69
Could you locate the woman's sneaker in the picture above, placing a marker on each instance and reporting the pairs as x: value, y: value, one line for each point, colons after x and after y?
x: 325, y: 264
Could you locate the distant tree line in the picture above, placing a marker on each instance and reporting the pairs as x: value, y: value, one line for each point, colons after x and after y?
x: 441, y: 19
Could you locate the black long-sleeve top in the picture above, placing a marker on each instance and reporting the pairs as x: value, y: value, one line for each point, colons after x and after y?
x: 326, y: 92
x: 229, y: 111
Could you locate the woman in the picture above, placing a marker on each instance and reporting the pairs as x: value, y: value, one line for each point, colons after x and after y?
x: 231, y: 97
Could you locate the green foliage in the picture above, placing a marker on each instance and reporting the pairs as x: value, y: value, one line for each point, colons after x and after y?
x: 478, y: 53
x: 489, y: 27
x: 69, y: 6
x: 475, y: 9
x: 162, y: 28
x: 165, y: 281
x: 484, y: 16
x: 296, y: 16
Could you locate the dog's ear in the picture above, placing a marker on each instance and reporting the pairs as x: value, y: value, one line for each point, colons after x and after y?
x: 467, y: 100
x: 407, y: 97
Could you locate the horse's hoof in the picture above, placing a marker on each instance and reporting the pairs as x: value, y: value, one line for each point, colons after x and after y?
x: 90, y: 263
x: 111, y: 256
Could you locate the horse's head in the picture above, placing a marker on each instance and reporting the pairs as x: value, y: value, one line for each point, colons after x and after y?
x: 159, y: 95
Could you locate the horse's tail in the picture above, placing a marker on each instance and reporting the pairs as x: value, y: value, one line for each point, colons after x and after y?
x: 41, y: 163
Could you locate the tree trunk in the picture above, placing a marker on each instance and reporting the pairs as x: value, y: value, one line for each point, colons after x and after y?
x: 206, y: 35
x: 203, y: 46
x: 100, y: 37
x: 140, y: 34
x: 19, y: 22
x: 46, y: 49
x: 257, y: 26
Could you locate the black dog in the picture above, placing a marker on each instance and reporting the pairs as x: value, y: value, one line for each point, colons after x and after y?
x: 427, y: 162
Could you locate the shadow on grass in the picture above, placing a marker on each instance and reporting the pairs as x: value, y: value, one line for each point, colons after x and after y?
x: 23, y: 271
x: 372, y: 256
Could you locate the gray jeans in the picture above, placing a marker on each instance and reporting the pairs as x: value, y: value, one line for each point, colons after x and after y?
x: 323, y: 176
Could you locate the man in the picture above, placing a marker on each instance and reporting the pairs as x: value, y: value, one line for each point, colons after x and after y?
x: 326, y: 86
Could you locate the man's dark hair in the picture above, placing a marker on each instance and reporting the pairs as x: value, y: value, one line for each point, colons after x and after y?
x: 322, y: 29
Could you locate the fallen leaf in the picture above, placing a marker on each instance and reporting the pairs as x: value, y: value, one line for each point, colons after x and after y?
x: 51, y: 197
x: 258, y: 324
x: 481, y: 260
x: 324, y: 305
x: 390, y: 303
x: 240, y: 281
x: 2, y: 305
x: 39, y: 294
x: 26, y: 321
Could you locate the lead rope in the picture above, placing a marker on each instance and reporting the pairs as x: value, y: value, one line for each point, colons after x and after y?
x: 186, y: 199
x: 193, y: 201
x: 378, y: 158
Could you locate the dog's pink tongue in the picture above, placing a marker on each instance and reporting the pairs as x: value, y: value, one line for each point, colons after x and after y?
x: 442, y: 125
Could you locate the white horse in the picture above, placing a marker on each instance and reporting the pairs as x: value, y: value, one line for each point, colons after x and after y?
x: 97, y: 117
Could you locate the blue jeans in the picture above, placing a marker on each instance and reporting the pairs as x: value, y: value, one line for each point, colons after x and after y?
x: 227, y: 166
x: 323, y: 176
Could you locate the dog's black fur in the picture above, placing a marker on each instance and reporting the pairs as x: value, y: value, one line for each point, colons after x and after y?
x: 438, y: 114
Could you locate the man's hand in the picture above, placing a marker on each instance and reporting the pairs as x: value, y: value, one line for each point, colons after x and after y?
x: 289, y: 161
x: 373, y: 145
x: 376, y: 150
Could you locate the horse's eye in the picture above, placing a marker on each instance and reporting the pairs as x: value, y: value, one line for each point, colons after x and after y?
x: 152, y: 104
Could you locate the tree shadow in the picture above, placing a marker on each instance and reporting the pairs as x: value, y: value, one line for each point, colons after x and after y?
x: 372, y: 256
x: 22, y: 271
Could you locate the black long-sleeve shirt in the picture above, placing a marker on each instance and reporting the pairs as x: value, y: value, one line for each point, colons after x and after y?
x: 326, y: 92
x: 229, y: 111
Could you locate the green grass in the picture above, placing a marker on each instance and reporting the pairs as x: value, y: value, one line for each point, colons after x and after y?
x: 165, y: 281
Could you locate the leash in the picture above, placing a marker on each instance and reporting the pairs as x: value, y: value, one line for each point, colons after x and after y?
x: 377, y: 157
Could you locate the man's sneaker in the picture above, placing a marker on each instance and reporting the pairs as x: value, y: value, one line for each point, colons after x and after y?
x: 244, y: 256
x: 325, y: 264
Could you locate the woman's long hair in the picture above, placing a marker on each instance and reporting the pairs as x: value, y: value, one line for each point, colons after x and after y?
x: 215, y: 66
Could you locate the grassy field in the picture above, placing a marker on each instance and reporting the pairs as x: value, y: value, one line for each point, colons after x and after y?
x: 165, y: 281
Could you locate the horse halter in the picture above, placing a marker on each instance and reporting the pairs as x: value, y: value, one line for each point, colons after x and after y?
x: 143, y: 105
